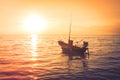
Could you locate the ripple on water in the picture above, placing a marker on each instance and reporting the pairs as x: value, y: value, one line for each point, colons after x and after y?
x: 21, y: 60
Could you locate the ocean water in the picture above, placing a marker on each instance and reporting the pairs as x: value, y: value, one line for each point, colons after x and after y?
x: 39, y: 57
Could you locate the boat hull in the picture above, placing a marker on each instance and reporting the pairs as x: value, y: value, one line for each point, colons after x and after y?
x: 72, y: 50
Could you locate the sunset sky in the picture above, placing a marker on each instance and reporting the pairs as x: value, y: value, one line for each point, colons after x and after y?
x: 88, y: 16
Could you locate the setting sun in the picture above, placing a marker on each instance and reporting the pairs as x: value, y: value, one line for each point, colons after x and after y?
x: 34, y: 23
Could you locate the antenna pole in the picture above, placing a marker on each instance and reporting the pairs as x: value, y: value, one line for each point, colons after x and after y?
x: 70, y: 28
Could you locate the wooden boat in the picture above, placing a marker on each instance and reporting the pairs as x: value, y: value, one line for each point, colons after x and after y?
x: 70, y: 49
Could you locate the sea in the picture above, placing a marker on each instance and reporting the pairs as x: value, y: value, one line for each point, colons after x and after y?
x: 39, y: 57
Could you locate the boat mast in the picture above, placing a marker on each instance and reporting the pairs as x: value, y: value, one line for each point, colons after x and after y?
x: 70, y: 28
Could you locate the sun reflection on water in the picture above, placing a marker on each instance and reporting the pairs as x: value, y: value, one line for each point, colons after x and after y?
x: 34, y: 42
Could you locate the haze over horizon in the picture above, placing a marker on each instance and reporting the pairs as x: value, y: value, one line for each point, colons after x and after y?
x: 88, y: 16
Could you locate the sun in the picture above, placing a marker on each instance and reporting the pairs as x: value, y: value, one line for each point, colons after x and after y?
x: 34, y: 23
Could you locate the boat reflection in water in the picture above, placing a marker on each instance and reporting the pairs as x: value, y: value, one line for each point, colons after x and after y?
x: 77, y: 62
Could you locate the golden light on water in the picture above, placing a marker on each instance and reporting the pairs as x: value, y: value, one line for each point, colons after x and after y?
x: 34, y: 42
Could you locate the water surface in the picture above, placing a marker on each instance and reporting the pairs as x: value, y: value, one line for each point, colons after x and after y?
x: 39, y: 57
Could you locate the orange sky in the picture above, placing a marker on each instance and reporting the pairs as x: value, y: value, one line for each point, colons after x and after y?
x: 88, y: 16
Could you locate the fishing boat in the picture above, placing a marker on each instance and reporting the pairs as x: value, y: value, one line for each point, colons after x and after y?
x: 70, y: 49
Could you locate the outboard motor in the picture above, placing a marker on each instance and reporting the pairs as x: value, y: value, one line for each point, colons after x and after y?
x: 85, y: 44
